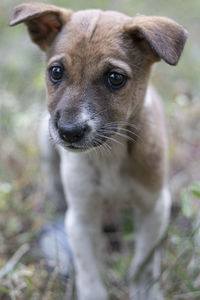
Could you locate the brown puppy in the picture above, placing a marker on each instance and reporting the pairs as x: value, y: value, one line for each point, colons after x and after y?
x: 98, y: 67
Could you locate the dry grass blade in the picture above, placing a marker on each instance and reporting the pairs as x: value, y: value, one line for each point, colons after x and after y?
x: 14, y: 260
x: 188, y: 296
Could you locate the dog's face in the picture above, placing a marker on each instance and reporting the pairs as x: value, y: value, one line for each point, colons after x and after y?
x: 98, y: 64
x: 93, y: 79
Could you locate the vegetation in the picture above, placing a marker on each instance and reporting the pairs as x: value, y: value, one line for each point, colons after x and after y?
x: 23, y: 209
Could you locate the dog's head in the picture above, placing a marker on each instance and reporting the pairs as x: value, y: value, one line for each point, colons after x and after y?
x: 98, y: 65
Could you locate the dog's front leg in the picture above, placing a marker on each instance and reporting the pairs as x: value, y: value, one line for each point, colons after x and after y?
x: 83, y: 224
x: 145, y: 270
x: 83, y: 229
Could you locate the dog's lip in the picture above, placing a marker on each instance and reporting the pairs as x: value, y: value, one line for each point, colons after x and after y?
x: 76, y: 148
x: 83, y: 148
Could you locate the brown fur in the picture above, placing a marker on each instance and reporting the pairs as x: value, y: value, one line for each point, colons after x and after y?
x: 44, y: 21
x: 149, y: 156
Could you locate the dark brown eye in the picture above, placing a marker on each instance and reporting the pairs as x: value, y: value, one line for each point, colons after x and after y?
x: 115, y: 80
x: 56, y: 73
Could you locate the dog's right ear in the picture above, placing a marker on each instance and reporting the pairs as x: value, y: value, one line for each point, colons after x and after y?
x: 44, y: 21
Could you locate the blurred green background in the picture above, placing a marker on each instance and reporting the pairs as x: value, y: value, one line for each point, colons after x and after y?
x: 22, y: 207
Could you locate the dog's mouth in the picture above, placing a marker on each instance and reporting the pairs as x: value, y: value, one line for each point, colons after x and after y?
x: 89, y: 145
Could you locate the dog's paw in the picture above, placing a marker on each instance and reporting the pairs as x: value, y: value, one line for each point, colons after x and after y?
x: 55, y: 249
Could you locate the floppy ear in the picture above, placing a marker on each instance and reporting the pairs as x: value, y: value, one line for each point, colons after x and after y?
x: 44, y: 21
x: 164, y: 37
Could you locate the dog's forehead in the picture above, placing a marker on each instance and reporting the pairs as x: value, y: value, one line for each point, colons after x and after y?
x: 91, y: 33
x: 88, y: 20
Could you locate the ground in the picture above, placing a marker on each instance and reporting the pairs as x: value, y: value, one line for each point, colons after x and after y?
x: 23, y: 208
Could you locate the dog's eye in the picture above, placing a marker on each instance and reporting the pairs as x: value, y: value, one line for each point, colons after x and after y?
x: 115, y: 80
x: 56, y: 73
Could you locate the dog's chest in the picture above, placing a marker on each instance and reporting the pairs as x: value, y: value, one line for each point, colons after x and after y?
x: 108, y: 177
x: 114, y: 179
x: 116, y: 182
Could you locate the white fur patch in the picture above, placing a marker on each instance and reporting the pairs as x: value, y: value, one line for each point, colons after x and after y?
x: 148, y: 99
x: 86, y: 117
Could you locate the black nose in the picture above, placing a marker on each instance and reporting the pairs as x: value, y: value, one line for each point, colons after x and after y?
x: 71, y: 133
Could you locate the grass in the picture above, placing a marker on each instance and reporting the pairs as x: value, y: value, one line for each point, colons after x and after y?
x: 23, y: 209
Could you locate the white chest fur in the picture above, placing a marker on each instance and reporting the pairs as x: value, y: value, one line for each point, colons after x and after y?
x: 102, y: 175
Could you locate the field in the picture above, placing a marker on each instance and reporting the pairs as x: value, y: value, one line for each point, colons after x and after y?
x: 23, y: 207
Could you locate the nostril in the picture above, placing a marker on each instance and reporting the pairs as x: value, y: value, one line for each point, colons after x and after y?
x: 86, y: 128
x: 80, y: 131
x: 63, y: 136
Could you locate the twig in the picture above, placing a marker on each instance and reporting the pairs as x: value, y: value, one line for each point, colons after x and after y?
x: 70, y: 286
x: 50, y: 283
x: 148, y: 258
x: 14, y: 260
x: 187, y: 295
x: 12, y: 291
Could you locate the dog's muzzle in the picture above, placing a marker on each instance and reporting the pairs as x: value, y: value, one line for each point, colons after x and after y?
x: 75, y: 134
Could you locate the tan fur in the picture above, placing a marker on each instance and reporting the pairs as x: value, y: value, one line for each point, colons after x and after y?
x: 89, y: 44
x: 150, y: 153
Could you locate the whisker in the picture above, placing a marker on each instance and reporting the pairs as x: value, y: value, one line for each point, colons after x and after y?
x: 110, y: 138
x: 94, y: 146
x: 106, y: 149
x: 105, y: 145
x: 123, y: 129
x: 122, y: 123
x: 120, y: 134
x: 97, y: 142
x: 101, y: 148
x: 108, y: 146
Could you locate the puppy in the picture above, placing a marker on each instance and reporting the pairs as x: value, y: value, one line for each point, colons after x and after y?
x: 109, y: 130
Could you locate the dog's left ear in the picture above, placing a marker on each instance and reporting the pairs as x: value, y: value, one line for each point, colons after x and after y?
x: 162, y: 36
x: 44, y: 21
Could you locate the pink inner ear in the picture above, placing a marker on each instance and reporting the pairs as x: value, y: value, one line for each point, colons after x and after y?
x: 51, y: 22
